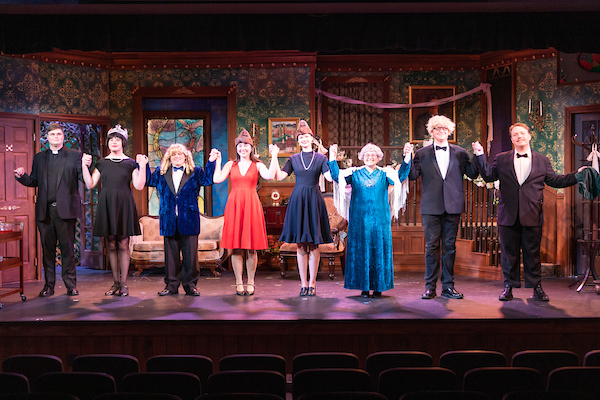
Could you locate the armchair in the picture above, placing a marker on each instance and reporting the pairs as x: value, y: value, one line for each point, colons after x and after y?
x: 329, y: 251
x: 148, y: 249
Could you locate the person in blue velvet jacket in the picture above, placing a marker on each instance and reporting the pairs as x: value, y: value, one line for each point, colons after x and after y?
x: 178, y: 182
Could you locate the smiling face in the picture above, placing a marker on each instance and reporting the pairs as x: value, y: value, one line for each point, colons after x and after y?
x: 305, y: 141
x: 370, y: 158
x: 177, y: 158
x: 115, y: 145
x: 244, y: 150
x: 440, y: 134
x: 520, y: 138
x: 56, y: 139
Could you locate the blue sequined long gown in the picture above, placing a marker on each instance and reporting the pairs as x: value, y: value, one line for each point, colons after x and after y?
x: 369, y: 258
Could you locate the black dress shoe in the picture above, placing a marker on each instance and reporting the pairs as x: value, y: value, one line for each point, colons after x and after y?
x: 506, y: 295
x: 451, y: 293
x: 429, y: 294
x: 73, y: 291
x: 166, y: 292
x: 312, y: 291
x: 46, y: 291
x: 303, y: 291
x: 539, y: 294
x: 365, y: 294
x: 193, y: 292
x: 376, y: 293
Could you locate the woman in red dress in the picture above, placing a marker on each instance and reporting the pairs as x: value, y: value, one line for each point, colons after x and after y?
x: 244, y: 226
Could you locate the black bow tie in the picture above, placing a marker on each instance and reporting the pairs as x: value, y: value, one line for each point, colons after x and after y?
x: 440, y: 148
x: 178, y: 168
x: 522, y: 155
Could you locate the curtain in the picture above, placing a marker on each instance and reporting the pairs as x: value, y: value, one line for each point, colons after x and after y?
x: 355, y: 125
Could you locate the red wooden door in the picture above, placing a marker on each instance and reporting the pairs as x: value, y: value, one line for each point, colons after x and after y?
x: 17, y: 201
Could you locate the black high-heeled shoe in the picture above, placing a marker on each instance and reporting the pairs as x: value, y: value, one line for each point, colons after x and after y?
x: 250, y: 293
x: 312, y: 291
x: 238, y: 292
x: 113, y: 290
x: 303, y: 291
x: 123, y: 291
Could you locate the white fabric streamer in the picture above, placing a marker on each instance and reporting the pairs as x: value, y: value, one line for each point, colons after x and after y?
x: 593, y: 157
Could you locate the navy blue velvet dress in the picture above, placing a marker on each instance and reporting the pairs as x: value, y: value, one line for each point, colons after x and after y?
x: 369, y: 258
x: 306, y: 219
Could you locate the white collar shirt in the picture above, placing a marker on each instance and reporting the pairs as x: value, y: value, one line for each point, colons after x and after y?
x: 522, y: 166
x: 442, y: 157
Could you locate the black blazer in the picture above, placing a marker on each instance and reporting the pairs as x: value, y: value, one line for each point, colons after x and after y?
x: 68, y: 200
x: 522, y: 200
x: 442, y: 195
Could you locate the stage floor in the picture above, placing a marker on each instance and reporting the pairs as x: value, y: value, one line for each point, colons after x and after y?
x: 277, y: 298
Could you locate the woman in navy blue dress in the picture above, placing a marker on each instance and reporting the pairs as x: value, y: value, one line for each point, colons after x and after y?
x: 306, y: 221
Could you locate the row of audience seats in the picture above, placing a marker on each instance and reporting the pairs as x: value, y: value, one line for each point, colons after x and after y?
x: 389, y: 375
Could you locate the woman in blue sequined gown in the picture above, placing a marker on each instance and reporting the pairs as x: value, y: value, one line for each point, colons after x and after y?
x: 306, y: 221
x: 369, y: 259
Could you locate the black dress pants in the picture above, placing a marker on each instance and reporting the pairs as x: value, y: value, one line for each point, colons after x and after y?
x: 51, y: 229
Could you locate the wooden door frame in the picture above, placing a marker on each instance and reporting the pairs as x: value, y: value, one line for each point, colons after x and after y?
x: 140, y: 144
x: 569, y: 232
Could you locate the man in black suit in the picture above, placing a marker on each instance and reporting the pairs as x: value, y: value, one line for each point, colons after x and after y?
x: 56, y: 173
x: 441, y: 166
x: 522, y: 174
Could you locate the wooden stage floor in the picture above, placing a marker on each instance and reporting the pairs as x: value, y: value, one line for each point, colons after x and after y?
x: 276, y: 320
x: 277, y: 299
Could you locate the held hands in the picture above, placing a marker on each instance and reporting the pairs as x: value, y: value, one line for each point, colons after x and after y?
x: 86, y: 160
x: 273, y: 150
x: 214, y: 155
x: 19, y: 172
x: 141, y: 159
x: 333, y: 152
x: 477, y: 148
x: 409, y: 148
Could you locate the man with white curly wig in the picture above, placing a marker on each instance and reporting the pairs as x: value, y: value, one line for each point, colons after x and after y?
x: 441, y: 167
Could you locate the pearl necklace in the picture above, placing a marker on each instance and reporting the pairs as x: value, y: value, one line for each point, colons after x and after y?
x: 311, y: 161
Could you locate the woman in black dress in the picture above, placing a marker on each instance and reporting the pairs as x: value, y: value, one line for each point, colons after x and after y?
x: 116, y: 216
x: 306, y: 221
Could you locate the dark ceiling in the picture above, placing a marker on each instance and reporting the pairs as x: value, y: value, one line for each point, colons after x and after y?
x: 323, y: 27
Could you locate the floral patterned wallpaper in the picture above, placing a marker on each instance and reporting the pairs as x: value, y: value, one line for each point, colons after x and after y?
x: 34, y: 87
x: 536, y: 80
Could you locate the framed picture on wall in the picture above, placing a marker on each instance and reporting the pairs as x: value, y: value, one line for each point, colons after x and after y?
x: 282, y: 133
x: 418, y: 117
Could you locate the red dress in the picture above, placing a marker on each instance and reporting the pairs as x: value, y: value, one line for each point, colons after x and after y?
x: 244, y: 225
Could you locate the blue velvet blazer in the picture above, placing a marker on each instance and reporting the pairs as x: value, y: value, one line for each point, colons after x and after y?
x: 185, y: 201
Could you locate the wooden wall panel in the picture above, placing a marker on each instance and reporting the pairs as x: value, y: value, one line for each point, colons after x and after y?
x: 216, y: 339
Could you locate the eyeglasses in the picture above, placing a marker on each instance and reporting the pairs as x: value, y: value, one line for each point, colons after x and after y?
x: 177, y: 154
x: 441, y: 128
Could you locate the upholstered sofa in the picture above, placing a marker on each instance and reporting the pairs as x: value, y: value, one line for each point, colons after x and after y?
x: 148, y: 249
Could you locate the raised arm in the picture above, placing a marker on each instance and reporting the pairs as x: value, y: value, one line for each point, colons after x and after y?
x: 270, y: 173
x: 487, y: 172
x: 90, y: 180
x: 220, y: 174
x: 139, y: 175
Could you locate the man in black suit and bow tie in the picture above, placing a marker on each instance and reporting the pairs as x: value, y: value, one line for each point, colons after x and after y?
x: 56, y: 173
x: 441, y: 167
x: 522, y: 174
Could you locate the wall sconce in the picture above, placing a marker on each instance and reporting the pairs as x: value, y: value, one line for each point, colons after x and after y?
x: 536, y: 114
